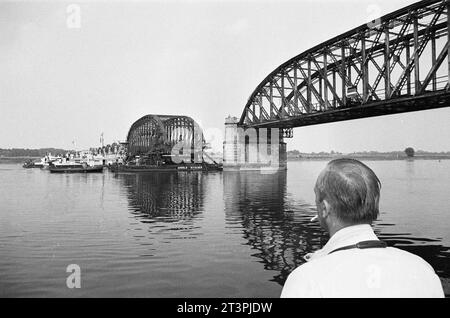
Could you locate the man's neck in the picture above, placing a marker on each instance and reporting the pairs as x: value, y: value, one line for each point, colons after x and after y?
x: 334, y: 229
x: 336, y: 226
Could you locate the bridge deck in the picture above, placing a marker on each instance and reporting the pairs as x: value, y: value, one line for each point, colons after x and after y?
x: 432, y: 100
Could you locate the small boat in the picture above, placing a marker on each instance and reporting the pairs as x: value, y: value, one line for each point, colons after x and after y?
x: 43, y: 163
x: 72, y: 167
x: 33, y: 164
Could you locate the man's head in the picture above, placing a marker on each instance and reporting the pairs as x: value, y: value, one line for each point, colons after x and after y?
x: 347, y: 193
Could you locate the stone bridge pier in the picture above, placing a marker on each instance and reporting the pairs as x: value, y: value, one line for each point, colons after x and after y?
x: 246, y: 149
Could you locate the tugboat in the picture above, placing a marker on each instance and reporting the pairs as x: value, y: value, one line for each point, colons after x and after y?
x: 73, y: 167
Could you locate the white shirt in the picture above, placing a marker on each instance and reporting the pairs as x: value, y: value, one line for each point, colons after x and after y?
x: 372, y: 272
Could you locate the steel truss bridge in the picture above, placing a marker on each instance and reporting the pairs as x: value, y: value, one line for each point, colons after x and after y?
x: 398, y: 63
x: 162, y: 133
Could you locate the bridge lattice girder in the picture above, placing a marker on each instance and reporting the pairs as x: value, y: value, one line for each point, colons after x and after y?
x: 391, y: 65
x: 162, y: 133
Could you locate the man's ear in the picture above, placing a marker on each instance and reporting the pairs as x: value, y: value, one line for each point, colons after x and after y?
x: 326, y: 209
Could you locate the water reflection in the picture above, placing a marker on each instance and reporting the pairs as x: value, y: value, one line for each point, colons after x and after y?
x: 278, y: 227
x: 167, y: 197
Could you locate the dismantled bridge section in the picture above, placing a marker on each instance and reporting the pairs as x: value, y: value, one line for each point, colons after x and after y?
x: 161, y: 138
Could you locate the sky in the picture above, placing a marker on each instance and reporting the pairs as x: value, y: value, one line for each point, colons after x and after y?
x: 65, y: 77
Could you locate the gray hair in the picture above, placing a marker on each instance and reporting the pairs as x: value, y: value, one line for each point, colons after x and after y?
x: 351, y: 188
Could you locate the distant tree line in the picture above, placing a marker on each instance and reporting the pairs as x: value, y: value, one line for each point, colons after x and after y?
x: 20, y: 152
x: 410, y: 152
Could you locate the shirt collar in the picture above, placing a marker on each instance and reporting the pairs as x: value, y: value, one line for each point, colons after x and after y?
x: 346, y: 236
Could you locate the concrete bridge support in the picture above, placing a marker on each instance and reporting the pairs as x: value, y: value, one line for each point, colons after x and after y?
x: 253, y: 148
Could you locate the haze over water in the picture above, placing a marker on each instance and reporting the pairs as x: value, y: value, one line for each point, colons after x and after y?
x: 195, y: 234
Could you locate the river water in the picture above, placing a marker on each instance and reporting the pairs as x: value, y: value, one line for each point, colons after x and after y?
x: 219, y: 234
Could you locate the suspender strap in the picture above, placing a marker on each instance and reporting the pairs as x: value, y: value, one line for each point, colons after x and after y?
x: 363, y: 245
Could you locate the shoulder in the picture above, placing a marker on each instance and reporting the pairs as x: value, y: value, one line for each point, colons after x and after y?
x: 301, y: 283
x: 409, y: 258
x: 312, y: 268
x: 304, y: 270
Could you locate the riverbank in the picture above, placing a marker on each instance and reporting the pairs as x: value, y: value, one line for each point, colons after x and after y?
x: 368, y: 157
x: 16, y: 159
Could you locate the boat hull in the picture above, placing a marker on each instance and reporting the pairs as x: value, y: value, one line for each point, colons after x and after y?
x: 164, y: 168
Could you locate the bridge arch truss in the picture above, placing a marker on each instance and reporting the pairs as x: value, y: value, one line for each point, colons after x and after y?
x: 397, y: 63
x: 161, y: 133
